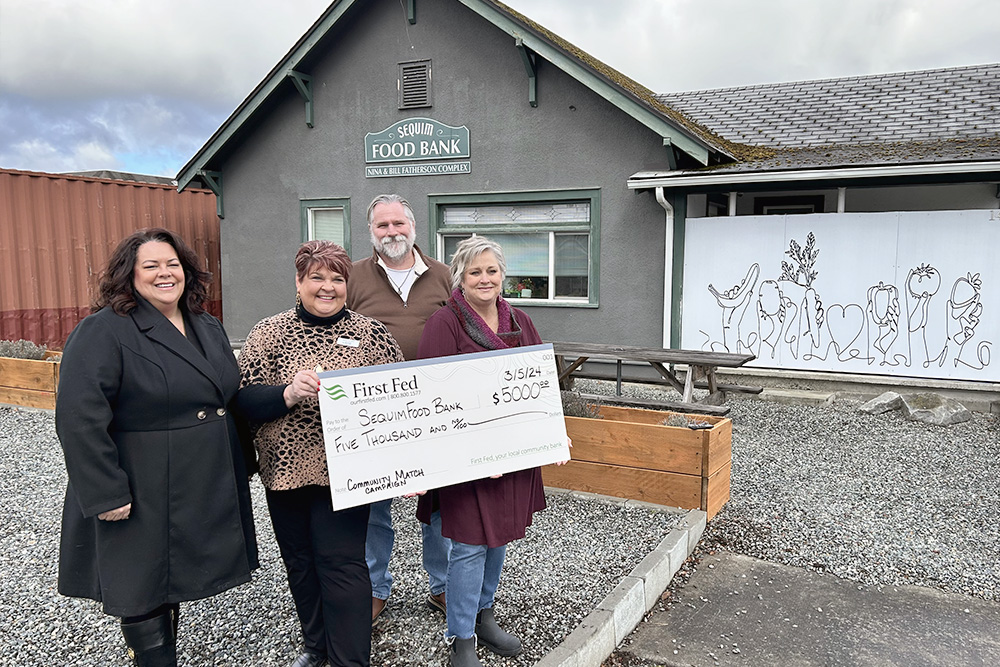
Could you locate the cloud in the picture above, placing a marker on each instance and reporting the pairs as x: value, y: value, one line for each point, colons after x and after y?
x: 676, y: 45
x: 131, y: 85
x: 216, y: 52
x: 160, y: 134
x: 140, y: 86
x: 50, y: 158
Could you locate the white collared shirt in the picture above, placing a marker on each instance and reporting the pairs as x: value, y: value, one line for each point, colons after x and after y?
x: 402, y: 280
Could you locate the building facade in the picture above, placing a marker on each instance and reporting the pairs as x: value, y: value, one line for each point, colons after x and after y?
x: 626, y: 216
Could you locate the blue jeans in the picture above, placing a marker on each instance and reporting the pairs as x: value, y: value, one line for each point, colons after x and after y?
x: 473, y: 577
x: 378, y: 549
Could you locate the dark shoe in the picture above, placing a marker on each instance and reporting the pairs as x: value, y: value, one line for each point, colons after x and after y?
x: 437, y: 603
x: 378, y: 606
x: 152, y: 643
x: 308, y: 659
x: 493, y: 637
x: 462, y: 653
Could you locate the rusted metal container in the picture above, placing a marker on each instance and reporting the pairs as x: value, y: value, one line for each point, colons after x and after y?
x: 57, y: 231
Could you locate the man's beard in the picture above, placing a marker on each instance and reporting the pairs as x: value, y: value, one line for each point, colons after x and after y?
x: 394, y: 247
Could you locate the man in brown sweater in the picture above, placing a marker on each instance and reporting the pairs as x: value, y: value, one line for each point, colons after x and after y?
x: 401, y: 287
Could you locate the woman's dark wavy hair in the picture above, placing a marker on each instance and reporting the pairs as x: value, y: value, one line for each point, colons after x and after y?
x: 116, y: 289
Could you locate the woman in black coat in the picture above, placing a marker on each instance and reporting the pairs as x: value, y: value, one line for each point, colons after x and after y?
x: 157, y: 509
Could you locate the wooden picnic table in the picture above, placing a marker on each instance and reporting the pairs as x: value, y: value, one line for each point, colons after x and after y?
x: 701, y: 368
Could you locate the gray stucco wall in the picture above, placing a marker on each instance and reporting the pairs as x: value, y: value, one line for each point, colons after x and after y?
x: 573, y: 139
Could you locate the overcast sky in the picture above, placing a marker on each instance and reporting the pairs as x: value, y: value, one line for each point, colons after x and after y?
x: 139, y: 85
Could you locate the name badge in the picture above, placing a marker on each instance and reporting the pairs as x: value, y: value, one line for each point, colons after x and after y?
x: 349, y: 342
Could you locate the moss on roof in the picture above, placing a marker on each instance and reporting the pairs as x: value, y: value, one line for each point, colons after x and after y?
x: 867, y: 155
x: 740, y: 152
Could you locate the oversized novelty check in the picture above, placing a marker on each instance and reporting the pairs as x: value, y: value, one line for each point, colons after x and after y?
x: 419, y: 425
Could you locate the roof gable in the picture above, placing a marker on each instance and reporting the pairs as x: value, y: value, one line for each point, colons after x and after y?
x: 637, y: 101
x: 285, y: 69
x: 628, y: 95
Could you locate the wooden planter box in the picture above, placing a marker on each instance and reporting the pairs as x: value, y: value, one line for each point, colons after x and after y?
x: 29, y: 382
x: 629, y: 454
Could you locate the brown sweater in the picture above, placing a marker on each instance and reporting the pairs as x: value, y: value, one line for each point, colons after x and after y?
x: 369, y: 293
x: 290, y: 442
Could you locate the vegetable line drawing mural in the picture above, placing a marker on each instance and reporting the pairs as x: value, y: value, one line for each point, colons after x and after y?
x: 964, y: 309
x: 767, y: 317
x: 883, y: 321
x: 772, y: 309
x: 806, y: 323
x: 734, y: 303
x: 922, y: 283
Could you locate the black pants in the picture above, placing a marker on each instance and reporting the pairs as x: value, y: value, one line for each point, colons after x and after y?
x: 324, y: 554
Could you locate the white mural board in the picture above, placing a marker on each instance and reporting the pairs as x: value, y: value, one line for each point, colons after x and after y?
x: 913, y: 294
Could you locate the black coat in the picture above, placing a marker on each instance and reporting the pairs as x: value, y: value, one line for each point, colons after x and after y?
x: 144, y: 418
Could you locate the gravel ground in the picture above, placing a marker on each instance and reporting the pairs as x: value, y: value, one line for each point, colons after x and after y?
x: 876, y: 499
x: 574, y: 555
x: 879, y: 500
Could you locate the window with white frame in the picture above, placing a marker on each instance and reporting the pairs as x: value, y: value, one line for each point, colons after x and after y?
x: 550, y: 240
x: 327, y: 220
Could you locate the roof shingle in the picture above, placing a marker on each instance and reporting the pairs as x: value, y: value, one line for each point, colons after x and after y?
x: 931, y: 105
x: 930, y: 116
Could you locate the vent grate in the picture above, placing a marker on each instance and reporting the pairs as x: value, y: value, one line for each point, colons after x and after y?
x: 414, y: 84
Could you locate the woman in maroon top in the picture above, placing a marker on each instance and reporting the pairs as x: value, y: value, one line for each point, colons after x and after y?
x: 481, y: 516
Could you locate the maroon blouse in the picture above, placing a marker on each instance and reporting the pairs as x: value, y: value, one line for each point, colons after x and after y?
x: 485, y: 511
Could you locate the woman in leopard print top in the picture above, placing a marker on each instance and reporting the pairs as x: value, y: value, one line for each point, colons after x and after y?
x: 323, y: 550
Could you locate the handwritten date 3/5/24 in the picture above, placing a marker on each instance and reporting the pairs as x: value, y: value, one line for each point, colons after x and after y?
x: 522, y: 373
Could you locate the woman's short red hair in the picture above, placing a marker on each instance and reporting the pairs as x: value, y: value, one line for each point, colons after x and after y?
x: 327, y: 254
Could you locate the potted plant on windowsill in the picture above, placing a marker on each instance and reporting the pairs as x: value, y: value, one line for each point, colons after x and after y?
x: 29, y: 374
x: 524, y: 288
x: 667, y: 458
x: 519, y: 288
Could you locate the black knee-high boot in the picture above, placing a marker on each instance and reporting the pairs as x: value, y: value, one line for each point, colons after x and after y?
x: 153, y: 642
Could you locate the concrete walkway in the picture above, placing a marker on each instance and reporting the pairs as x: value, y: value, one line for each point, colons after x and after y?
x: 736, y: 610
x: 622, y: 610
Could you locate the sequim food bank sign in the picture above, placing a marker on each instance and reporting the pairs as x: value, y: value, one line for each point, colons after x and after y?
x: 417, y: 147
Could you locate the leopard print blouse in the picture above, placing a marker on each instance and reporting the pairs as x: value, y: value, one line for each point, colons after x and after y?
x: 290, y: 448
